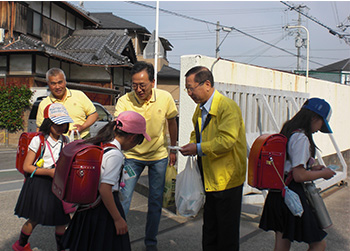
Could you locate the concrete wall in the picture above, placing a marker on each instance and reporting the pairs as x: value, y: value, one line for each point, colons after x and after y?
x: 338, y: 96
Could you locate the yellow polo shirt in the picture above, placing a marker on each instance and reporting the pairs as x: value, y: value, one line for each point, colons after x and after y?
x: 156, y: 111
x: 78, y: 105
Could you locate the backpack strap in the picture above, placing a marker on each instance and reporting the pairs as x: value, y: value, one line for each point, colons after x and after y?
x: 39, y: 153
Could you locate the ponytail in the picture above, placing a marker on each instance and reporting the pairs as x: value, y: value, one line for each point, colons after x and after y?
x: 108, y: 133
x: 105, y: 134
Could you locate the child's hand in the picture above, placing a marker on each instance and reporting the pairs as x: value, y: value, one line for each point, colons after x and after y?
x: 328, y: 173
x: 52, y: 172
x: 121, y: 226
x: 317, y: 167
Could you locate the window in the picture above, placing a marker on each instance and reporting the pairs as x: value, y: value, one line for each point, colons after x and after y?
x: 70, y: 21
x: 58, y: 14
x: 20, y: 64
x: 46, y: 9
x: 33, y: 22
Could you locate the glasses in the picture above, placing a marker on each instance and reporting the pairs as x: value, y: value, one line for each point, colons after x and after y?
x: 142, y: 86
x: 192, y: 89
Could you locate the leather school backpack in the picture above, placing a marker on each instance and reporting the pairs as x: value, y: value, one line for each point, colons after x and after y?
x: 77, y: 173
x: 266, y: 162
x: 22, y: 148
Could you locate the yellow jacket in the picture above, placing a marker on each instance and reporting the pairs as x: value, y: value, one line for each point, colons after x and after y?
x: 224, y: 145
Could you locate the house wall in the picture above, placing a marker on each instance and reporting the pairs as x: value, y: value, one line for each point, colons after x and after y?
x: 52, y: 22
x: 52, y: 32
x: 328, y: 76
x: 4, y: 15
x: 247, y: 75
x: 172, y: 86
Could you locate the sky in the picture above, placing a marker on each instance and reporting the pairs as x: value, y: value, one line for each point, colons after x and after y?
x: 257, y: 29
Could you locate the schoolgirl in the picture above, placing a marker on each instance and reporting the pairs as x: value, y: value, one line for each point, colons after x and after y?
x: 36, y: 201
x: 312, y: 117
x: 104, y: 227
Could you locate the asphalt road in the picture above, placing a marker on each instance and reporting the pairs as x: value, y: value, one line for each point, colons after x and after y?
x: 10, y: 178
x: 176, y: 233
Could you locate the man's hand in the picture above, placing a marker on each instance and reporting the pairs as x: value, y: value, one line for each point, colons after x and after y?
x: 189, y: 149
x: 172, y: 158
x: 78, y: 127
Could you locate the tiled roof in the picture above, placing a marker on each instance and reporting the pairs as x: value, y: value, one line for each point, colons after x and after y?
x: 79, y: 10
x: 86, y: 47
x: 97, y: 47
x: 110, y: 21
x: 25, y: 43
x: 169, y: 72
x: 343, y: 65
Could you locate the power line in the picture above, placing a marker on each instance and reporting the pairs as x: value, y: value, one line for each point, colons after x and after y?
x: 208, y: 22
x: 333, y: 32
x: 222, y: 26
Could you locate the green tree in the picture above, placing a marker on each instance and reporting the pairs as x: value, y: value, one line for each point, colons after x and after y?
x: 14, y: 98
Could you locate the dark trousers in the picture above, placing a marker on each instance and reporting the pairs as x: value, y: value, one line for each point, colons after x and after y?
x: 222, y: 212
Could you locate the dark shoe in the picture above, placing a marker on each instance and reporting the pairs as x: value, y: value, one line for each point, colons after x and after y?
x: 151, y: 248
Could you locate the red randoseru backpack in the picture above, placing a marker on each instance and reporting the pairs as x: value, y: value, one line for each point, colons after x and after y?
x: 266, y: 161
x: 22, y: 148
x: 77, y: 173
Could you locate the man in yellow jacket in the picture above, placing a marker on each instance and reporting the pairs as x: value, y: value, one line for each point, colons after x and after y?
x: 220, y: 145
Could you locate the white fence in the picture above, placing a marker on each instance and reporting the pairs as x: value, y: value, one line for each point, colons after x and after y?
x: 266, y: 109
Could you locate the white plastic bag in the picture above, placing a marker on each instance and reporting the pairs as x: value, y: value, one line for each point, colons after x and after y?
x: 293, y: 202
x: 189, y: 191
x: 72, y: 135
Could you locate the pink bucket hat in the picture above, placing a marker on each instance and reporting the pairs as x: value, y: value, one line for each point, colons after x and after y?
x: 132, y: 122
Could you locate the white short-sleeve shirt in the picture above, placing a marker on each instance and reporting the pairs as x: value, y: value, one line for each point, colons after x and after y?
x: 112, y: 162
x: 298, y: 151
x: 55, y: 148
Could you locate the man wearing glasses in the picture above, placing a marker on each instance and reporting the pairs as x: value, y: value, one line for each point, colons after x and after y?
x: 158, y: 108
x: 220, y: 144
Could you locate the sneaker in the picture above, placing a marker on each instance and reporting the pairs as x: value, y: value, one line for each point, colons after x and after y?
x: 17, y: 247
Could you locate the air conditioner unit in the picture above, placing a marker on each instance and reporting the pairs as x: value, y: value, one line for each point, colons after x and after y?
x: 2, y: 35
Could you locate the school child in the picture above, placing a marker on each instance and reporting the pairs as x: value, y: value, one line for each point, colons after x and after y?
x: 36, y: 201
x: 312, y: 117
x: 104, y: 227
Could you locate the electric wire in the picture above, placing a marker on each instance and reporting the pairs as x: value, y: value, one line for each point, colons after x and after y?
x: 212, y: 23
x: 333, y: 32
x: 222, y: 26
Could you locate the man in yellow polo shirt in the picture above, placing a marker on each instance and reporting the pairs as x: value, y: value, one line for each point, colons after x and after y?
x: 219, y: 141
x: 158, y: 108
x: 78, y: 105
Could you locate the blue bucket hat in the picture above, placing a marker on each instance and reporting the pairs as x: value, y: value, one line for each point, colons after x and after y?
x: 322, y: 108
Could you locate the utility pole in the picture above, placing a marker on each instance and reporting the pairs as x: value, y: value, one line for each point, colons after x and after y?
x: 307, y: 51
x: 217, y: 39
x: 298, y: 39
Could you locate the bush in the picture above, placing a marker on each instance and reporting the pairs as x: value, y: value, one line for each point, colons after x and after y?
x: 14, y: 98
